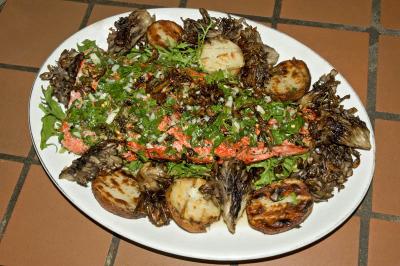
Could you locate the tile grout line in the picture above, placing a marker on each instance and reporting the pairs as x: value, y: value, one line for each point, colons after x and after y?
x: 112, y: 251
x: 318, y: 24
x: 88, y: 12
x: 385, y: 217
x: 371, y: 109
x: 13, y: 158
x: 18, y: 67
x: 17, y: 190
x: 387, y: 116
x: 276, y: 13
x: 183, y: 3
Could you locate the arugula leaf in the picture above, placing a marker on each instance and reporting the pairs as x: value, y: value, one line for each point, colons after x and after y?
x: 133, y: 167
x: 86, y: 45
x: 216, y: 76
x: 178, y: 170
x: 53, y: 115
x: 48, y: 124
x: 267, y: 176
x: 181, y: 55
x: 286, y: 166
x: 50, y: 106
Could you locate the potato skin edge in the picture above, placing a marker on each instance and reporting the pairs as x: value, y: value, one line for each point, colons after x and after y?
x: 107, y: 205
x: 190, y: 226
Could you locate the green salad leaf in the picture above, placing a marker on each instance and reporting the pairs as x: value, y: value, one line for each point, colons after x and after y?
x: 277, y: 169
x: 53, y: 115
x: 178, y: 170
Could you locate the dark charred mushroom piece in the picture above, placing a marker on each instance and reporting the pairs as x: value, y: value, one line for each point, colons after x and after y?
x: 153, y: 177
x: 334, y: 124
x: 154, y: 206
x: 129, y: 30
x: 233, y: 184
x: 255, y: 72
x: 336, y: 132
x: 100, y: 159
x: 62, y: 77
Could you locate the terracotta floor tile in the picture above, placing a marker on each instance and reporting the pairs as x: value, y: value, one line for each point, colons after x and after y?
x: 102, y: 11
x: 384, y: 238
x: 248, y: 7
x: 164, y: 3
x: 45, y: 229
x: 343, y: 49
x: 36, y: 28
x: 390, y: 10
x: 388, y: 93
x: 387, y: 176
x: 340, y: 248
x: 14, y: 93
x: 355, y: 12
x: 9, y: 173
x: 132, y: 255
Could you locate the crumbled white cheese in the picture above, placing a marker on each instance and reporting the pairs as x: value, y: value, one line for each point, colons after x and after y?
x: 162, y: 137
x: 111, y: 116
x: 229, y: 102
x: 260, y: 109
x: 115, y: 68
x: 236, y: 126
x: 95, y: 59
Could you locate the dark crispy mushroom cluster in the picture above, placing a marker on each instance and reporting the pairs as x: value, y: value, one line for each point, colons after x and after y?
x: 62, y: 77
x: 336, y: 132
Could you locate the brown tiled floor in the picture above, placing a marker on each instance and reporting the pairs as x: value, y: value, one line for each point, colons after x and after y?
x: 101, y: 11
x: 14, y: 93
x: 340, y: 248
x: 130, y: 255
x: 387, y: 176
x: 35, y: 28
x: 355, y: 12
x: 9, y: 173
x: 248, y: 7
x: 390, y: 10
x: 388, y: 93
x: 45, y: 229
x: 166, y: 3
x: 384, y: 243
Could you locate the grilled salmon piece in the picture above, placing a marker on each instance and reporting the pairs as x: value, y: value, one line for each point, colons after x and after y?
x: 189, y: 207
x: 279, y: 206
x: 117, y: 193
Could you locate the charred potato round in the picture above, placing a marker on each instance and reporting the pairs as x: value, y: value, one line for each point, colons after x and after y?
x: 117, y: 193
x: 279, y: 207
x: 291, y: 79
x: 188, y: 206
x: 221, y: 54
x: 164, y: 33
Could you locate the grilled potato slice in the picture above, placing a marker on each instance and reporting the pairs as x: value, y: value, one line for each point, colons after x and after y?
x: 188, y: 206
x: 164, y: 33
x: 117, y: 193
x: 290, y: 81
x: 221, y: 54
x: 279, y: 206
